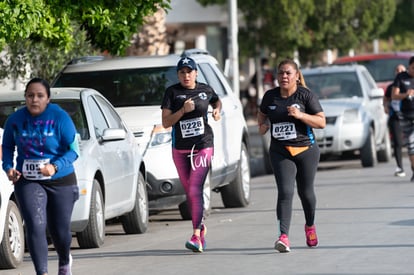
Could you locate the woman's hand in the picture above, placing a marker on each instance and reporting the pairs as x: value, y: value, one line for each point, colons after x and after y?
x: 216, y: 114
x: 295, y: 112
x: 263, y: 128
x: 13, y: 175
x: 189, y: 105
x: 48, y: 170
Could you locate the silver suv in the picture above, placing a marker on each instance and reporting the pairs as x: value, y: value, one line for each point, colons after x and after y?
x: 136, y: 86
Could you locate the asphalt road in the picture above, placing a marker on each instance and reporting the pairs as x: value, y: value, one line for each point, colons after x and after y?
x: 364, y: 218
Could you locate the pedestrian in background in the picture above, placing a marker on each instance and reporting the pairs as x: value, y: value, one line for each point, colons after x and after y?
x: 403, y: 90
x: 393, y: 109
x: 257, y: 88
x: 185, y: 107
x: 290, y: 111
x: 44, y: 179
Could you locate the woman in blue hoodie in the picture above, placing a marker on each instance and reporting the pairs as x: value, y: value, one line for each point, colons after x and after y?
x: 43, y: 175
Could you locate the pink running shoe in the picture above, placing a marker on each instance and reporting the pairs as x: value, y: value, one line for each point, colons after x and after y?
x: 282, y: 244
x: 311, y: 237
x: 203, y: 233
x: 194, y: 244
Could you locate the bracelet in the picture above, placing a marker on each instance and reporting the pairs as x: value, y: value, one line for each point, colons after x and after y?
x: 56, y: 168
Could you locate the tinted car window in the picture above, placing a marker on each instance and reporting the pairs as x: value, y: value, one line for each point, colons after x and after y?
x: 110, y: 114
x: 382, y: 69
x: 99, y: 122
x: 72, y: 107
x: 366, y: 81
x: 75, y: 110
x: 334, y: 85
x: 136, y: 87
x: 212, y: 79
x: 8, y: 108
x: 124, y: 88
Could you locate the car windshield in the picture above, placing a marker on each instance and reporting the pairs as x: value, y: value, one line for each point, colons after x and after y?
x: 334, y: 85
x: 382, y: 70
x: 132, y: 87
x: 72, y: 107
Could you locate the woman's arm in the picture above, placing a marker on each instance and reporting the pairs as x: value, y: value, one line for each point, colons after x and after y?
x: 216, y: 109
x: 315, y: 121
x: 169, y: 118
x: 262, y: 122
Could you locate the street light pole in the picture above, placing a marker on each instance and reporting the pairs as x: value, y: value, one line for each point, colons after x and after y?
x: 234, y: 47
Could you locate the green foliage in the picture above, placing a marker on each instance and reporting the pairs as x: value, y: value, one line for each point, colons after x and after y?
x: 33, y: 19
x: 28, y: 58
x: 46, y: 34
x: 309, y: 26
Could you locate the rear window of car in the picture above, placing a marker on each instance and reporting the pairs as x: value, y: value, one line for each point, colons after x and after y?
x: 334, y: 85
x: 382, y: 70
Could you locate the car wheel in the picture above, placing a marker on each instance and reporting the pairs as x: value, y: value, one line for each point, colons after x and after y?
x: 237, y: 192
x: 13, y: 242
x: 368, y: 152
x: 94, y: 234
x: 136, y: 221
x: 385, y: 153
x: 185, y: 210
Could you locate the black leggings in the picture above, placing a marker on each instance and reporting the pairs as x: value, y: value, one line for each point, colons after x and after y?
x: 46, y: 206
x: 287, y: 169
x: 397, y: 139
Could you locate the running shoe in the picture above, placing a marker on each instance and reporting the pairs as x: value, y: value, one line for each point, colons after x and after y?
x: 311, y: 237
x: 66, y: 269
x: 194, y: 244
x: 399, y: 172
x: 203, y: 233
x: 282, y: 244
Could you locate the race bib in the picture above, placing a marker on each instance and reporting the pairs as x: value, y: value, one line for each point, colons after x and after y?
x: 284, y: 131
x: 192, y: 127
x: 31, y: 169
x: 396, y: 105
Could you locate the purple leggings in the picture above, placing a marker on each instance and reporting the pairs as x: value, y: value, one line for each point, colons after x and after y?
x: 192, y: 168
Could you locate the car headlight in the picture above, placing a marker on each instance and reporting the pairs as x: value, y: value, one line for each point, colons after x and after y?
x: 351, y: 116
x: 160, y: 136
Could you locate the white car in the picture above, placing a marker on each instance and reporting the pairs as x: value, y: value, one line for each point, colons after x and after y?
x: 356, y: 124
x: 110, y: 170
x: 11, y: 225
x: 135, y: 85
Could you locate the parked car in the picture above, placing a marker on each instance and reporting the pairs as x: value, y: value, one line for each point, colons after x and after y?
x: 135, y: 86
x: 110, y: 169
x: 11, y: 225
x: 356, y: 124
x: 381, y: 65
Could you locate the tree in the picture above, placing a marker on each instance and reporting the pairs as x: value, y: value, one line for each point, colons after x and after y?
x: 310, y: 26
x: 45, y: 34
x: 109, y: 24
x: 152, y: 37
x: 400, y: 34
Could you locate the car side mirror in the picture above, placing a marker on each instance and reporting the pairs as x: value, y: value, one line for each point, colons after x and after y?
x: 376, y: 93
x: 112, y: 134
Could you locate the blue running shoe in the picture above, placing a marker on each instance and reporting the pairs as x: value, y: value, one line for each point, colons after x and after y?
x: 194, y: 244
x: 203, y: 233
